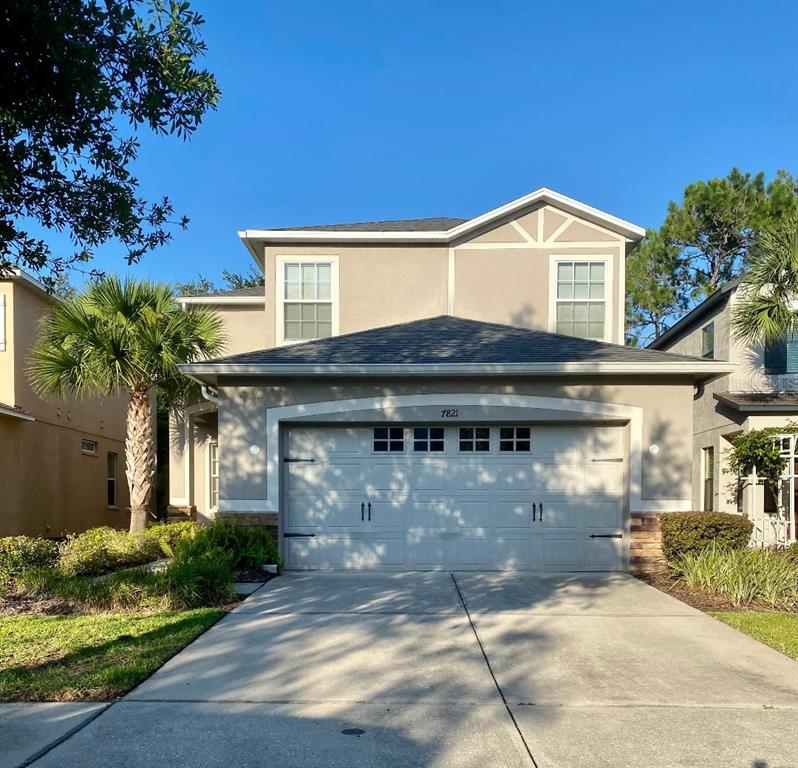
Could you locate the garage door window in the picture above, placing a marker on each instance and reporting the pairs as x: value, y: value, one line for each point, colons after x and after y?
x: 428, y: 439
x: 515, y: 439
x: 474, y: 439
x: 389, y: 440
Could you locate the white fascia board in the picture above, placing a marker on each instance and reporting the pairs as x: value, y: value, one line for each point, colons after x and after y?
x: 222, y: 299
x: 625, y: 228
x: 712, y: 369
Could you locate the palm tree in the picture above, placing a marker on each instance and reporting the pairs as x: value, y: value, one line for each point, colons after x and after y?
x: 125, y: 337
x: 767, y: 311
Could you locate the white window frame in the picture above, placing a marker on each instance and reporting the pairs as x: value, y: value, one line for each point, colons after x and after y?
x: 212, y: 445
x: 88, y: 451
x: 515, y: 439
x: 705, y: 465
x: 473, y: 440
x: 114, y: 479
x: 388, y: 451
x: 555, y: 259
x: 279, y: 293
x: 429, y: 440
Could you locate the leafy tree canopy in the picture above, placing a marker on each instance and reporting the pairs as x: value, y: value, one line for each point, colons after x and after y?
x: 231, y: 281
x: 80, y: 77
x: 705, y: 240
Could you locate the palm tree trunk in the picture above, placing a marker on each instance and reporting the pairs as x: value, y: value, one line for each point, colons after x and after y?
x: 139, y: 457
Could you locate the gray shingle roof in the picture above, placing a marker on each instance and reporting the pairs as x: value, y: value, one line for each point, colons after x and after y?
x: 447, y: 339
x: 435, y: 224
x: 254, y: 291
x: 756, y: 401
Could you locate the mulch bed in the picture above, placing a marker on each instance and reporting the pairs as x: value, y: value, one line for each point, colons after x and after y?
x: 251, y: 576
x: 665, y: 582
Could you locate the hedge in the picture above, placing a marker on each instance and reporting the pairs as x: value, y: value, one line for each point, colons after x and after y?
x: 691, y: 532
x: 19, y: 553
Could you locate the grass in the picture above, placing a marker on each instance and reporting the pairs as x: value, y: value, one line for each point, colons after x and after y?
x: 90, y: 658
x: 778, y: 630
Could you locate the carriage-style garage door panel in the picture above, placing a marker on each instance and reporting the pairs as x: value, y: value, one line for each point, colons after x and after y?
x: 356, y: 501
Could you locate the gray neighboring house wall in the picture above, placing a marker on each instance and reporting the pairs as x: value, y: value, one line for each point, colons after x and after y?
x: 760, y: 391
x: 441, y: 393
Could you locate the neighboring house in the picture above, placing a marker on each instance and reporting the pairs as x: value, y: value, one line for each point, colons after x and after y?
x: 62, y: 461
x: 760, y: 391
x: 441, y: 393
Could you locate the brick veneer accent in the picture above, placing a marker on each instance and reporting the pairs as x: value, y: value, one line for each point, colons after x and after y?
x: 180, y: 514
x: 645, y: 544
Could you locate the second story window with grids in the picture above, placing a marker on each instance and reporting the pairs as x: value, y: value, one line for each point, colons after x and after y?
x: 708, y: 341
x: 580, y: 303
x: 781, y: 357
x: 307, y: 300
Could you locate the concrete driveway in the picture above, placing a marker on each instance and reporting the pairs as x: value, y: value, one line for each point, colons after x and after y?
x: 479, y: 670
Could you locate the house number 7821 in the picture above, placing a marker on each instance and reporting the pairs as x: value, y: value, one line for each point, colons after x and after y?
x: 449, y: 413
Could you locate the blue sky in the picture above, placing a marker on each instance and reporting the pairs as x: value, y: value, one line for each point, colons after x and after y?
x: 348, y: 111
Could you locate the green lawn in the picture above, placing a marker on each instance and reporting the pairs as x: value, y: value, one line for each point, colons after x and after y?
x: 778, y: 630
x: 99, y: 657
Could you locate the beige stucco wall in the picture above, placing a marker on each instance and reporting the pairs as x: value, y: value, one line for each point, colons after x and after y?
x: 666, y: 404
x: 246, y: 327
x: 49, y: 487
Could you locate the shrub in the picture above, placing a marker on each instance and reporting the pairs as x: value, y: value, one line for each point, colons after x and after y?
x: 168, y: 534
x: 250, y: 546
x: 201, y: 572
x: 19, y: 553
x: 742, y: 575
x: 791, y: 552
x: 690, y: 532
x: 101, y: 550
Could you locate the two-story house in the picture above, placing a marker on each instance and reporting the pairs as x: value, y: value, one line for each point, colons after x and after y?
x: 760, y: 391
x: 62, y: 461
x: 441, y: 393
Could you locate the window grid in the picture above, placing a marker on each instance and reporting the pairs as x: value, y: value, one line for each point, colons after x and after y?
x: 428, y: 440
x: 307, y: 297
x: 581, y: 301
x: 388, y: 440
x: 89, y: 446
x: 213, y: 475
x: 110, y: 476
x: 708, y: 341
x: 515, y: 439
x: 474, y: 439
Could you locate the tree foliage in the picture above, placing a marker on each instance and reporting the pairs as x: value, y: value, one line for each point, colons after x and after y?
x: 80, y: 77
x: 759, y: 450
x: 231, y: 281
x: 766, y: 310
x: 705, y: 240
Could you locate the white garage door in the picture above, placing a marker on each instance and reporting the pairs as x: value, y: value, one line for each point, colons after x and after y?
x: 482, y: 497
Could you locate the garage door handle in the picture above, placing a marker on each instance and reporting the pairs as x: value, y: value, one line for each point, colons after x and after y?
x: 299, y: 535
x: 369, y: 511
x: 362, y: 511
x: 606, y: 535
x: 541, y: 511
x: 534, y: 511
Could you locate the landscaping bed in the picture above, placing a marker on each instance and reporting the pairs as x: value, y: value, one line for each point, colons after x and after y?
x: 91, y: 658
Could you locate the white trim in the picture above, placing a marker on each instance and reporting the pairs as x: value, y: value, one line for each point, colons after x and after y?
x: 521, y: 231
x: 592, y: 215
x: 209, y: 441
x: 254, y: 300
x: 279, y: 292
x: 2, y: 322
x: 711, y: 368
x: 276, y: 416
x: 609, y: 294
x: 547, y: 247
x: 450, y: 283
x: 17, y: 414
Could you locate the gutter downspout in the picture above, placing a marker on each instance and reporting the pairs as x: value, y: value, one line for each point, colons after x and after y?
x: 211, y: 394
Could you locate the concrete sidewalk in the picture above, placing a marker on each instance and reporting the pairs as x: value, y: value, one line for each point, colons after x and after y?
x: 435, y: 669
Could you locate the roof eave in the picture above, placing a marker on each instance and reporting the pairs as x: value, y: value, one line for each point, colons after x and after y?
x: 756, y: 407
x: 626, y: 229
x: 210, y: 372
x: 16, y: 413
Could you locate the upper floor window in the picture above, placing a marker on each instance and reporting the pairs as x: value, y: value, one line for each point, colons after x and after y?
x: 580, y: 304
x: 307, y: 300
x: 782, y: 356
x: 708, y: 341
